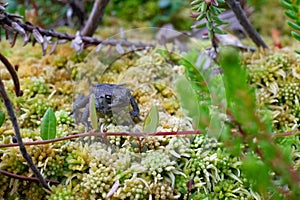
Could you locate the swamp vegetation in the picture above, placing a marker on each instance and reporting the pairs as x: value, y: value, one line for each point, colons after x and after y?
x: 218, y: 120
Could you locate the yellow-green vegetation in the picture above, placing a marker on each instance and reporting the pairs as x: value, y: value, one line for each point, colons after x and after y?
x: 157, y: 167
x: 276, y: 78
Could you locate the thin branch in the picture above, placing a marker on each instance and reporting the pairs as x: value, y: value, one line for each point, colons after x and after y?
x: 240, y: 15
x: 13, y: 74
x: 290, y: 133
x: 95, y: 17
x: 93, y: 133
x: 7, y: 20
x: 26, y: 178
x: 13, y: 119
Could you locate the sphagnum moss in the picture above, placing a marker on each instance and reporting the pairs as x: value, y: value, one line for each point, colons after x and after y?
x: 88, y: 170
x: 275, y: 77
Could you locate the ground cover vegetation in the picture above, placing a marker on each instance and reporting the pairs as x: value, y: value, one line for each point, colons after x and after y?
x: 217, y: 118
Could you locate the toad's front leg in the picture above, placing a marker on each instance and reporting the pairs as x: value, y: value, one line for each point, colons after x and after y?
x: 80, y: 102
x: 135, y: 113
x: 85, y: 117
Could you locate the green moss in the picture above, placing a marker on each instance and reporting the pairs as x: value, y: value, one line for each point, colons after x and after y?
x: 275, y: 76
x: 88, y: 167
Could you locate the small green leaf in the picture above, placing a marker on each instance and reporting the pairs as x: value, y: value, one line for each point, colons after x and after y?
x: 291, y: 14
x: 93, y: 112
x: 195, y: 2
x: 209, y: 25
x: 210, y: 34
x: 202, y: 25
x: 151, y: 121
x: 200, y: 17
x: 286, y: 5
x: 203, y: 7
x: 219, y: 21
x: 295, y: 35
x: 2, y: 117
x: 208, y: 17
x: 219, y: 31
x: 294, y: 25
x: 48, y: 125
x: 216, y: 10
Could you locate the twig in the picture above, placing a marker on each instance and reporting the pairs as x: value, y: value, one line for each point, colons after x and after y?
x: 13, y: 74
x: 95, y: 17
x: 13, y: 119
x: 8, y: 20
x: 92, y: 133
x: 240, y: 15
x: 26, y: 178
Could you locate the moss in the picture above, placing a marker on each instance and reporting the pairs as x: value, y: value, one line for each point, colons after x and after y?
x: 275, y: 77
x: 88, y: 167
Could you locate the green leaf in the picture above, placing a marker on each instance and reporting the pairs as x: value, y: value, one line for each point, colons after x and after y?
x: 203, y: 7
x: 209, y: 25
x: 195, y: 2
x: 297, y: 51
x: 294, y: 25
x: 291, y: 14
x: 200, y: 17
x: 210, y: 35
x: 48, y: 125
x: 219, y: 21
x: 286, y: 5
x: 208, y: 17
x: 2, y: 117
x: 93, y: 112
x: 240, y: 96
x: 219, y: 31
x: 151, y: 121
x: 295, y: 35
x: 216, y: 10
x: 189, y: 101
x: 202, y: 25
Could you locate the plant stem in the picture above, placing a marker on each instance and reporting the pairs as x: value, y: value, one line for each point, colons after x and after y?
x: 95, y: 17
x: 23, y: 150
x: 17, y: 176
x: 93, y: 133
x: 13, y: 74
x: 240, y: 15
x: 7, y: 20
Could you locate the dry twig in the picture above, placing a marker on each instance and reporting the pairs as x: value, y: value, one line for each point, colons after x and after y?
x: 14, y: 121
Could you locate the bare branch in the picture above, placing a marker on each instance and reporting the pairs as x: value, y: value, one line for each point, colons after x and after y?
x: 95, y: 17
x: 240, y: 15
x: 26, y: 178
x: 93, y: 133
x: 13, y: 119
x: 13, y: 74
x: 11, y: 24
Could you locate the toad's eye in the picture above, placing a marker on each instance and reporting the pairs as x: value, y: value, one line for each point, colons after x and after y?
x: 108, y: 98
